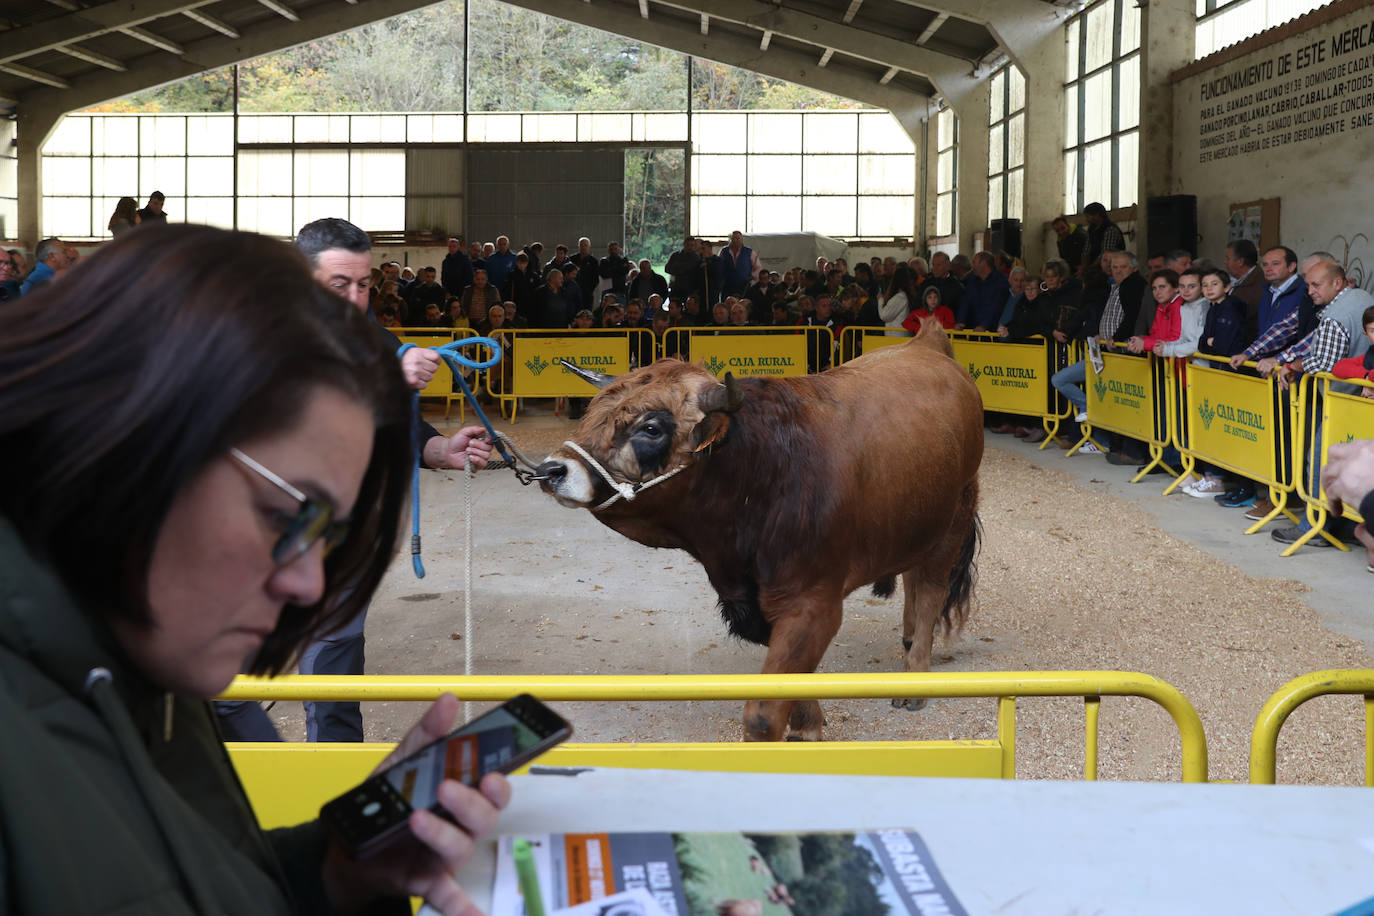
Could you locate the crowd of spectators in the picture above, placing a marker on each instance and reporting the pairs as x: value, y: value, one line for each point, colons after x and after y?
x: 1288, y: 315
x: 1283, y: 314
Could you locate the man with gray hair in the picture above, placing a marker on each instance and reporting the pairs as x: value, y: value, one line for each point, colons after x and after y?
x: 1339, y: 335
x: 340, y: 256
x: 50, y: 259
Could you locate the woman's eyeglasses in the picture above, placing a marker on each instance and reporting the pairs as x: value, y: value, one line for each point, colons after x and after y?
x: 313, y: 519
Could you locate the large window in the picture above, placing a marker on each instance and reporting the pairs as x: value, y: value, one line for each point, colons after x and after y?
x: 1006, y: 143
x: 847, y: 173
x: 91, y: 161
x: 9, y: 181
x: 946, y: 172
x: 1225, y: 22
x: 844, y: 173
x: 1102, y: 106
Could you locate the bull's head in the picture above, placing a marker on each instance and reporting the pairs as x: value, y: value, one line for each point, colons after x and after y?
x: 643, y: 425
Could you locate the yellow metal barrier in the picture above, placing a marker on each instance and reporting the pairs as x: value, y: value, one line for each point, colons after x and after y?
x: 534, y: 370
x: 1264, y: 740
x: 858, y: 339
x: 1132, y: 396
x: 782, y: 351
x: 442, y: 385
x: 1323, y: 414
x: 1014, y: 376
x: 288, y: 782
x: 1238, y: 422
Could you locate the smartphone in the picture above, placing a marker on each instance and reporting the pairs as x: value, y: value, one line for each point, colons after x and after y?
x: 370, y: 817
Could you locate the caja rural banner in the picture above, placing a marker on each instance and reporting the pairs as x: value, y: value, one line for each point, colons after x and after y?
x: 538, y: 374
x: 1348, y: 417
x: 1231, y: 422
x: 751, y: 354
x: 1010, y: 377
x: 1121, y: 398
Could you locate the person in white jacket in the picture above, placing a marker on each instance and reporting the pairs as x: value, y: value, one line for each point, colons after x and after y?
x: 897, y: 303
x: 1193, y: 315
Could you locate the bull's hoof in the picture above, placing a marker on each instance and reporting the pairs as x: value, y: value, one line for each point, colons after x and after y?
x: 758, y: 728
x: 906, y: 645
x: 909, y: 703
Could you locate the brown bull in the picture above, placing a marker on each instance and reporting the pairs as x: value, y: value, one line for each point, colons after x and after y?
x: 794, y: 492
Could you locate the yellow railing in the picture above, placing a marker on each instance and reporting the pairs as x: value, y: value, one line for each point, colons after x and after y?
x: 1264, y: 740
x: 287, y: 782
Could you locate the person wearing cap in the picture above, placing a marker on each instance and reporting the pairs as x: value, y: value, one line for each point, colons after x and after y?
x: 153, y: 212
x: 582, y: 321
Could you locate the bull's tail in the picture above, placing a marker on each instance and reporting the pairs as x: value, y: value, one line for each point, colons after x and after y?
x: 933, y: 336
x: 965, y: 570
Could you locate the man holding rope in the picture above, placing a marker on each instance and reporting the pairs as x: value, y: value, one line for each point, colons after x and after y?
x: 340, y: 255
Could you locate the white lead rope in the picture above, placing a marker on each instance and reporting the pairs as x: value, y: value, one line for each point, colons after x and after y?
x: 467, y: 579
x: 625, y: 491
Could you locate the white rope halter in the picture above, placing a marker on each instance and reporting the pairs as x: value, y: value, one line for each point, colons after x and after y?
x: 625, y: 491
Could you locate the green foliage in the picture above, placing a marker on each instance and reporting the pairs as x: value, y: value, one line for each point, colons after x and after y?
x: 839, y: 878
x: 520, y: 61
x: 655, y: 204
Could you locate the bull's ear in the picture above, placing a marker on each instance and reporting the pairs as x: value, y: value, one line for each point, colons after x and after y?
x: 726, y: 397
x: 710, y: 430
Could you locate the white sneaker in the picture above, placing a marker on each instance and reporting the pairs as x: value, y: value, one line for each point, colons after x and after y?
x: 1207, y: 486
x: 1081, y: 416
x: 1188, y: 487
x: 1087, y: 448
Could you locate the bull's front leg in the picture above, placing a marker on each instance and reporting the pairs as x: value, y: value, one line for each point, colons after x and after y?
x: 800, y: 636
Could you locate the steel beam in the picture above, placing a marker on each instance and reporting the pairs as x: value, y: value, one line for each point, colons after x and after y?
x: 930, y: 30
x: 219, y: 25
x: 853, y: 10
x: 38, y: 76
x: 281, y: 10
x: 910, y: 108
x: 951, y: 75
x: 93, y: 57
x: 825, y: 58
x: 152, y: 38
x: 208, y: 53
x: 88, y: 23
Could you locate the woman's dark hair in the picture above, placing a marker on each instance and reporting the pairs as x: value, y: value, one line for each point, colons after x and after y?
x: 1167, y: 274
x: 125, y: 211
x: 900, y: 282
x: 121, y: 383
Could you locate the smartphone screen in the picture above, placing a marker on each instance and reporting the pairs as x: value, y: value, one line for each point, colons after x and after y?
x: 368, y: 817
x: 468, y: 754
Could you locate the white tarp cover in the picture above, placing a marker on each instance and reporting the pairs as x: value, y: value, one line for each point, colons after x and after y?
x: 781, y: 251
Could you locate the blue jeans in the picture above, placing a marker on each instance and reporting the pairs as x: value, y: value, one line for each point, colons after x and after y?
x: 1067, y: 381
x: 337, y: 653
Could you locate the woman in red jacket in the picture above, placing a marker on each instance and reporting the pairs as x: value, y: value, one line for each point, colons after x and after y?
x: 1168, y: 323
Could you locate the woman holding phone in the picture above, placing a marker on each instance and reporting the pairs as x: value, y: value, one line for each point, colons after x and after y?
x: 205, y: 459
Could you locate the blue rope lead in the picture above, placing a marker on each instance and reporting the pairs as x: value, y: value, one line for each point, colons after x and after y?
x: 456, y: 361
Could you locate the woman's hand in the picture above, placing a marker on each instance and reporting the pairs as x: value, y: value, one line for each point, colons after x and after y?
x: 427, y: 865
x: 1135, y: 345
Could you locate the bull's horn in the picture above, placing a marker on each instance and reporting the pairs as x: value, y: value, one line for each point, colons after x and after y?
x: 599, y: 379
x: 725, y: 397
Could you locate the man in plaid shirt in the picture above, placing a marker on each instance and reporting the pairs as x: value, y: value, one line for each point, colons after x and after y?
x: 1339, y: 335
